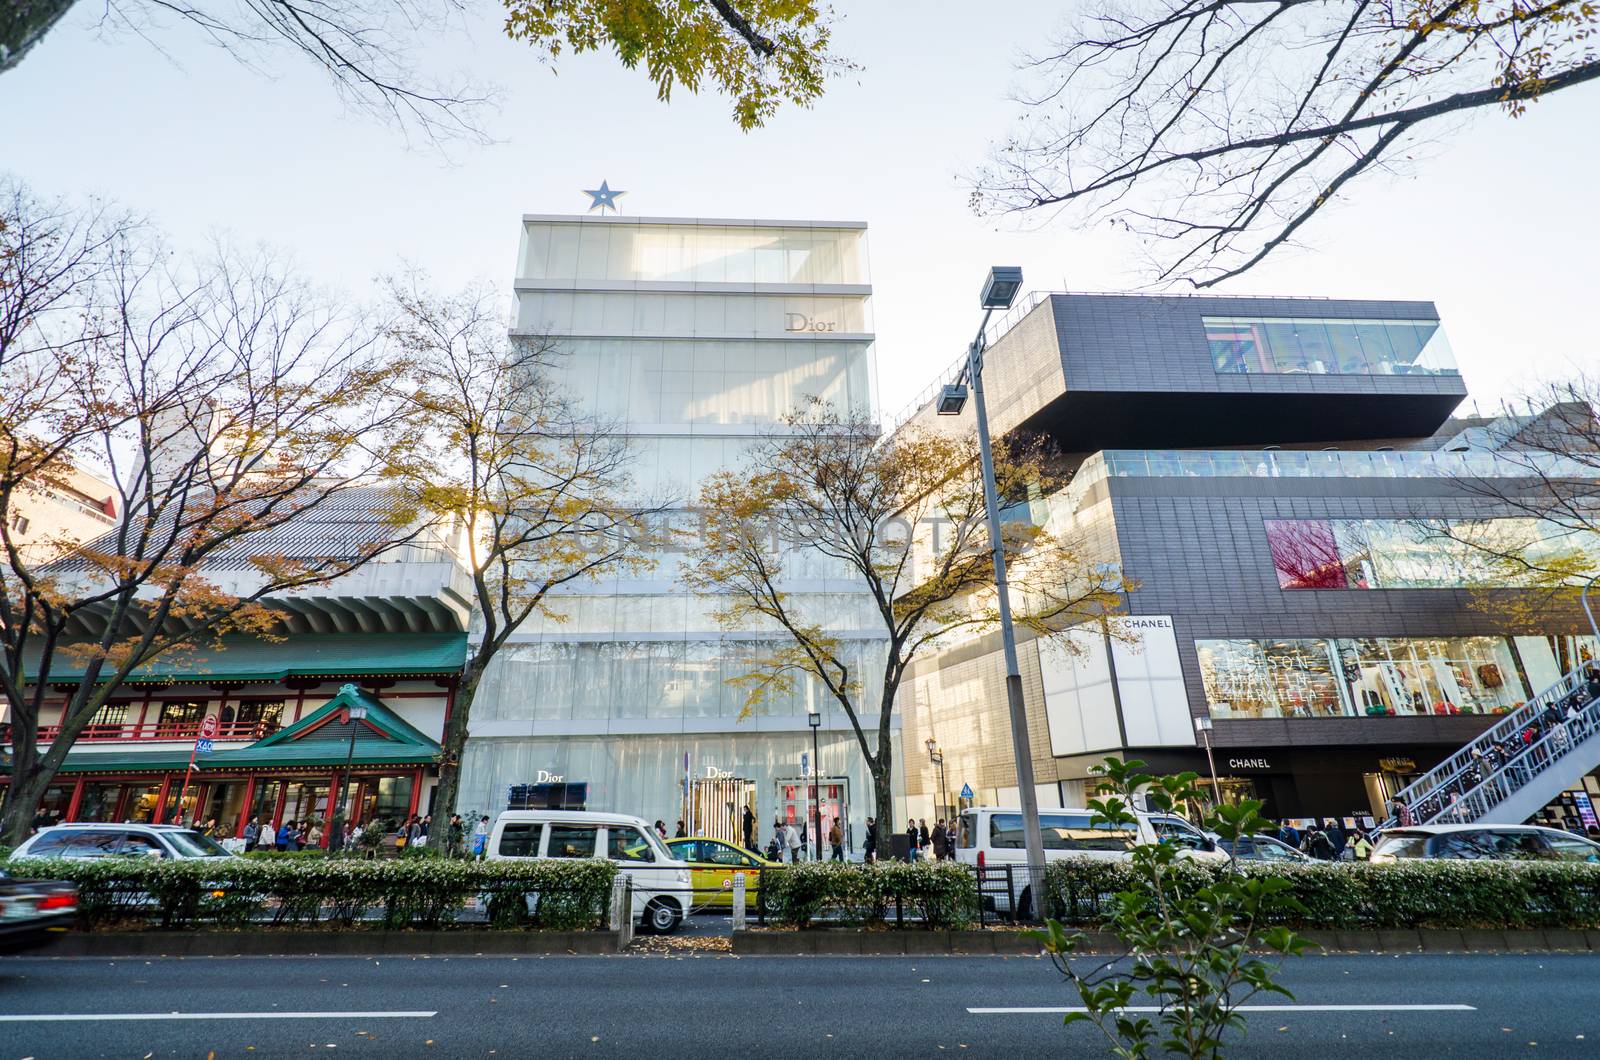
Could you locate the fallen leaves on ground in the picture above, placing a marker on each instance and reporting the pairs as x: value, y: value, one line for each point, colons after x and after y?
x: 674, y: 945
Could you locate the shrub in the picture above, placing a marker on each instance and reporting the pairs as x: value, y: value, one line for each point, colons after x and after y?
x: 286, y: 889
x: 940, y: 894
x: 1494, y: 895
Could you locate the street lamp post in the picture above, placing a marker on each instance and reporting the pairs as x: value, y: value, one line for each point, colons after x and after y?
x: 1000, y: 289
x: 936, y: 756
x: 1203, y: 727
x: 356, y: 713
x: 815, y: 720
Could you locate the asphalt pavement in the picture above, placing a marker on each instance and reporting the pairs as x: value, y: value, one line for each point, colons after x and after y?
x: 719, y: 1005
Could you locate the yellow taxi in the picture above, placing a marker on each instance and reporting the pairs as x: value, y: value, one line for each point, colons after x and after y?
x: 712, y: 864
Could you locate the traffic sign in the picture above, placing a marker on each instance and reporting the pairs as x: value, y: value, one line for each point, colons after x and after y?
x: 966, y: 791
x: 202, y: 746
x: 805, y: 763
x: 208, y: 727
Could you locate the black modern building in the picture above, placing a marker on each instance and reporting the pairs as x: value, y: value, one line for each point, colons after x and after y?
x: 1283, y: 483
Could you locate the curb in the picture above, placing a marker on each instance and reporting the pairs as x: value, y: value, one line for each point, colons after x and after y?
x: 327, y: 943
x: 1011, y: 943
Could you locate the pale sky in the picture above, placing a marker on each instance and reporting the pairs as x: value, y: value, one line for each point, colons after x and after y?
x: 1499, y: 227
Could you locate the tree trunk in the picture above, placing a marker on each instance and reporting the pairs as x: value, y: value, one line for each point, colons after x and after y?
x: 23, y: 23
x: 882, y: 767
x: 22, y: 802
x: 455, y: 740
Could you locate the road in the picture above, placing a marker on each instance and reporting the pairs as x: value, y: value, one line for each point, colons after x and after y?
x: 720, y: 1005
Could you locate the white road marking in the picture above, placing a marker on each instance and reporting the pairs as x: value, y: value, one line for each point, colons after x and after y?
x: 92, y: 1017
x: 1244, y: 1008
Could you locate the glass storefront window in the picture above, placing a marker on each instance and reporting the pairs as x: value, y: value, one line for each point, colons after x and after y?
x: 1304, y: 554
x: 1360, y: 676
x: 1321, y: 346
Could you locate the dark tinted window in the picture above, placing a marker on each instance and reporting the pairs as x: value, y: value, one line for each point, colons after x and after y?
x: 50, y: 844
x: 1469, y: 846
x: 717, y: 854
x: 520, y: 840
x: 685, y: 850
x: 1183, y: 834
x: 625, y: 843
x: 195, y: 845
x: 1403, y: 846
x: 94, y: 844
x: 572, y: 840
x: 1061, y: 831
x: 139, y: 844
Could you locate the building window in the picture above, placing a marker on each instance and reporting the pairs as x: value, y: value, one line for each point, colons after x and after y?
x: 1322, y: 346
x: 1305, y: 554
x: 1427, y: 553
x: 19, y: 524
x: 268, y: 712
x: 1359, y: 676
x: 181, y: 713
x: 110, y: 716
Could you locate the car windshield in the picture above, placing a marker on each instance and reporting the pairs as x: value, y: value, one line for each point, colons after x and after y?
x: 195, y: 845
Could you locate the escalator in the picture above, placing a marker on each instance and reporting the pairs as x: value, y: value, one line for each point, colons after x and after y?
x: 1515, y: 768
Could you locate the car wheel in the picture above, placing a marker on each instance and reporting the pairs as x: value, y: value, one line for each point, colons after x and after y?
x: 662, y: 916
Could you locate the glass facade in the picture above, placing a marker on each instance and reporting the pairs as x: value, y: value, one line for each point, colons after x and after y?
x: 1359, y: 676
x: 1423, y: 553
x: 730, y: 381
x: 1313, y: 346
x: 634, y: 675
x: 696, y: 253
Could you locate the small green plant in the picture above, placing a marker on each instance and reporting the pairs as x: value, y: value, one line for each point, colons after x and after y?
x: 1192, y: 938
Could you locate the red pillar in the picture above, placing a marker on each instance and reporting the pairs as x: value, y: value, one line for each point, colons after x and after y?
x: 77, y: 799
x: 244, y: 812
x: 161, y: 798
x: 416, y: 794
x: 333, y: 803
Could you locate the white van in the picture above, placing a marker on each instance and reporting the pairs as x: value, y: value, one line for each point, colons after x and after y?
x: 661, y: 884
x: 989, y: 835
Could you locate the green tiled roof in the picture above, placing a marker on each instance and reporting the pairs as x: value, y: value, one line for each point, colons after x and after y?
x: 318, y: 753
x: 300, y: 655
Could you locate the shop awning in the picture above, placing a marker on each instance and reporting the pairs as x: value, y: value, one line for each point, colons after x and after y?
x: 303, y: 655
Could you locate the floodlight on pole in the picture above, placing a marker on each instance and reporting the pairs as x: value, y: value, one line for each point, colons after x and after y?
x: 1000, y: 289
x: 1203, y: 727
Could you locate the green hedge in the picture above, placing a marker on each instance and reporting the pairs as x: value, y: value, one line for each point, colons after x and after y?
x: 937, y: 894
x: 336, y: 892
x: 1514, y: 895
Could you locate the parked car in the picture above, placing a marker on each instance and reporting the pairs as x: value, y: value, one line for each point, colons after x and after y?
x: 712, y: 865
x: 32, y: 911
x: 1263, y: 848
x: 992, y: 836
x: 1494, y: 842
x: 87, y: 841
x: 661, y: 883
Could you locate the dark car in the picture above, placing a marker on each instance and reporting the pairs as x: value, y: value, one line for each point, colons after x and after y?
x: 33, y: 911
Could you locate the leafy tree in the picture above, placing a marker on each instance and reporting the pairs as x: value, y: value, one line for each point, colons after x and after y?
x: 760, y: 53
x: 492, y: 441
x: 902, y: 517
x: 226, y: 403
x: 1215, y: 130
x: 1191, y: 938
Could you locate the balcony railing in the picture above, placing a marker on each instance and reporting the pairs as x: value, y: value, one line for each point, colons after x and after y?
x: 187, y: 730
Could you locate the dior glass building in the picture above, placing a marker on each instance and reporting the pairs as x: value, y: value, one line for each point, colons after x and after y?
x: 1271, y: 475
x: 695, y: 336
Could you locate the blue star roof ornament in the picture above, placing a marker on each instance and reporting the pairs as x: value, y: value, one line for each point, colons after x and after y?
x: 603, y: 198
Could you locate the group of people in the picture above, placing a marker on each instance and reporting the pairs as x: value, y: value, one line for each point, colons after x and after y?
x: 936, y: 845
x: 1326, y: 840
x: 795, y: 841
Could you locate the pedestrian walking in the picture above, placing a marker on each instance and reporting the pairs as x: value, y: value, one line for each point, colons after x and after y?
x: 776, y: 847
x: 314, y: 835
x: 681, y: 832
x: 455, y: 837
x: 285, y: 836
x: 922, y: 835
x: 661, y: 828
x: 913, y: 840
x: 480, y: 837
x: 749, y: 828
x: 869, y: 849
x: 252, y: 834
x: 836, y: 840
x: 791, y: 841
x: 937, y: 838
x: 1362, y: 846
